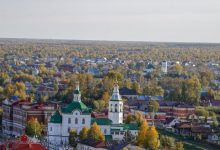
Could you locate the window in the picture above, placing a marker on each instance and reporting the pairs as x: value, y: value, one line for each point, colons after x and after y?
x: 83, y: 121
x: 105, y: 131
x: 76, y: 121
x: 51, y: 128
x: 68, y: 130
x: 69, y: 120
x: 116, y: 110
x: 111, y: 108
x: 120, y: 107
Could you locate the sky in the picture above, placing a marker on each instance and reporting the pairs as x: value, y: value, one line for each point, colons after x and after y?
x: 115, y: 20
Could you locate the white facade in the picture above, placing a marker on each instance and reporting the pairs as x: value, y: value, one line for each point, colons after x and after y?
x: 116, y: 107
x: 58, y: 131
x: 164, y: 67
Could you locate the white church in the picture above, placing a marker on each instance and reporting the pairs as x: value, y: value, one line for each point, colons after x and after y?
x: 77, y: 115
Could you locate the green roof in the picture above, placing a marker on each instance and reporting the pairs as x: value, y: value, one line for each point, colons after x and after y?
x: 77, y: 91
x: 75, y: 105
x: 131, y: 126
x: 56, y: 117
x: 101, y: 121
x: 108, y: 137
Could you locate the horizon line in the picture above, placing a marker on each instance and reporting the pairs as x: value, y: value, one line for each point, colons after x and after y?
x: 98, y: 40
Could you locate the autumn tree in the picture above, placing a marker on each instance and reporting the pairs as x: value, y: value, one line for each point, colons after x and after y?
x: 20, y: 90
x: 142, y: 134
x: 3, y: 78
x: 153, y: 89
x: 179, y: 146
x: 178, y: 69
x: 152, y: 138
x: 129, y: 118
x: 9, y: 90
x: 105, y: 98
x: 83, y: 133
x: 193, y: 89
x: 167, y: 142
x: 95, y: 133
x: 34, y: 128
x: 136, y: 86
x: 139, y: 118
x: 153, y: 106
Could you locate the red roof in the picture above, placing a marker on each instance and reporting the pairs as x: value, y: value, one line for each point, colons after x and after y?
x: 23, y: 144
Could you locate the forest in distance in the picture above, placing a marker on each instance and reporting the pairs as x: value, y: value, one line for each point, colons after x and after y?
x: 156, y: 51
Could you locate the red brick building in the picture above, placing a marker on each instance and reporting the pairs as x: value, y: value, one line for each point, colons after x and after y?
x: 16, y: 114
x: 175, y: 109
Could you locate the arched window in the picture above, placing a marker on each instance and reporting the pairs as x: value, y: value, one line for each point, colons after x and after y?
x: 111, y: 108
x: 69, y: 120
x: 83, y: 121
x: 116, y: 109
x: 105, y: 131
x: 76, y: 121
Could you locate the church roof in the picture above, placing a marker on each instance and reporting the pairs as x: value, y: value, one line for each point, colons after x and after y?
x: 101, y: 121
x: 56, y: 117
x: 76, y: 105
x: 77, y: 91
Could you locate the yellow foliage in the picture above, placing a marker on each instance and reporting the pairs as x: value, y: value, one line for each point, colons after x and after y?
x: 142, y: 133
x: 95, y: 133
x: 152, y: 138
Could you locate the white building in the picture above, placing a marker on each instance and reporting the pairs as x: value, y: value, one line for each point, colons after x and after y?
x: 164, y: 67
x: 77, y: 115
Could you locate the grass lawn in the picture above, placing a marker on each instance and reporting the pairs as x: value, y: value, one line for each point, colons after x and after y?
x: 190, y: 144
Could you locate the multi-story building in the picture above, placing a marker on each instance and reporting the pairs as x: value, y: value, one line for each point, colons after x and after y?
x: 175, y: 109
x: 16, y: 114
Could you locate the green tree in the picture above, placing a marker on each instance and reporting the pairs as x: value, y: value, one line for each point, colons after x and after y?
x: 73, y: 137
x: 153, y: 106
x: 34, y: 128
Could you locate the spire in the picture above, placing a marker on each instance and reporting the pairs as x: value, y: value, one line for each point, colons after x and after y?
x: 77, y: 93
x: 115, y: 94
